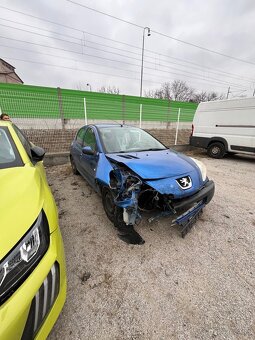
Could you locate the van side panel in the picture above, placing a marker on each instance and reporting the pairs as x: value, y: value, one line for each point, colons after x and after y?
x: 229, y: 121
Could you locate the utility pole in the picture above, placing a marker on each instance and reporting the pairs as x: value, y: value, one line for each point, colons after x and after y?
x: 228, y: 92
x: 148, y: 34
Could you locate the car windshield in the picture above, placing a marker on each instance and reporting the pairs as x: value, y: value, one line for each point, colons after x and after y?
x: 8, y: 154
x: 128, y: 139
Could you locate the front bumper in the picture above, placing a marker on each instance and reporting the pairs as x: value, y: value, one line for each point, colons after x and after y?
x: 205, y: 195
x: 22, y: 315
x: 198, y: 201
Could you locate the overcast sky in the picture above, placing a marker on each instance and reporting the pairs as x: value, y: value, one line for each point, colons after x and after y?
x: 66, y: 57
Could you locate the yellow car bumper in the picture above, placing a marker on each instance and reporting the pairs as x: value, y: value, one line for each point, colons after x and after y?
x: 35, y: 306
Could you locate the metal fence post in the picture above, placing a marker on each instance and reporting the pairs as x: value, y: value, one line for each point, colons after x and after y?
x: 61, y: 111
x: 123, y: 109
x: 177, y: 126
x: 168, y: 114
x: 85, y: 111
x: 141, y: 111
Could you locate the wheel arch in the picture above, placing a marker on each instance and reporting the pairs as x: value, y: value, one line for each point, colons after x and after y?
x: 219, y: 140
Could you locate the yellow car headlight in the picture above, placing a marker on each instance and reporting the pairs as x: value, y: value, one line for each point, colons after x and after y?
x: 20, y: 262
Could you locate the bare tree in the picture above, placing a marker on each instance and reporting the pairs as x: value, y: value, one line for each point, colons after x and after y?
x: 109, y: 89
x: 200, y: 97
x: 204, y: 96
x: 159, y: 94
x: 177, y: 90
x: 181, y: 91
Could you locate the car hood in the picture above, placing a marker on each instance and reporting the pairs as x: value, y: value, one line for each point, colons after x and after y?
x: 21, y: 200
x: 155, y: 164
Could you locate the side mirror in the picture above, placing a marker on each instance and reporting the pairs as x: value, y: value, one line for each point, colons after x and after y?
x: 37, y: 153
x: 88, y: 151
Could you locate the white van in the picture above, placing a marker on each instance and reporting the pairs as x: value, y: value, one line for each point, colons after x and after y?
x: 225, y: 126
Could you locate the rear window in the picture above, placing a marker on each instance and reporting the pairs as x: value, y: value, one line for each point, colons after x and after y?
x: 9, y: 156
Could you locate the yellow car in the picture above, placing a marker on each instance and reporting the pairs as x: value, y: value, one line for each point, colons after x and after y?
x: 32, y: 263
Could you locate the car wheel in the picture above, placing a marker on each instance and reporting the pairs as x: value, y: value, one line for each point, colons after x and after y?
x: 108, y: 204
x: 216, y: 150
x: 74, y: 169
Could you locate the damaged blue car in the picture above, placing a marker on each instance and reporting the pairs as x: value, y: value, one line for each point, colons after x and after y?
x: 134, y: 172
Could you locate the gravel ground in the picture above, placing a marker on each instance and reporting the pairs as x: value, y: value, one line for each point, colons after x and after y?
x: 200, y: 287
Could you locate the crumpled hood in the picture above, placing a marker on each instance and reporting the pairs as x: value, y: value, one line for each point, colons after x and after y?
x: 155, y: 164
x: 21, y: 200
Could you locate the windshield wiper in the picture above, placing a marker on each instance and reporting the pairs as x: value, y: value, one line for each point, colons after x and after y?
x: 152, y: 149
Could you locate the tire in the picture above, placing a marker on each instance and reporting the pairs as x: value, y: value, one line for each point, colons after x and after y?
x: 216, y: 150
x: 108, y: 204
x: 74, y: 169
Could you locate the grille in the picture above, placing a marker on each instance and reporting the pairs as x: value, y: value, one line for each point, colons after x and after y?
x: 42, y: 303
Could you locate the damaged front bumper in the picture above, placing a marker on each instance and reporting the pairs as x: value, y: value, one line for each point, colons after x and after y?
x: 199, y: 200
x: 192, y: 207
x: 132, y: 196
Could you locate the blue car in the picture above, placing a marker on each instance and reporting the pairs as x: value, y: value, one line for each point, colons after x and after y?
x: 134, y: 172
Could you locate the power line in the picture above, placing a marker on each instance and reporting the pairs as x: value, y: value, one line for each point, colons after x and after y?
x: 77, y: 69
x: 163, y: 34
x: 101, y: 50
x: 114, y: 60
x: 66, y: 26
x: 203, y: 48
x: 215, y: 80
x: 120, y: 42
x: 109, y: 15
x: 36, y: 27
x: 83, y: 70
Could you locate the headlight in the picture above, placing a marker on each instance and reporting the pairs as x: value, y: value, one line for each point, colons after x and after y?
x: 201, y: 166
x: 24, y: 257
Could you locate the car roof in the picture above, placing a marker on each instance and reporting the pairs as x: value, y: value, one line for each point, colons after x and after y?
x: 106, y: 125
x: 5, y: 123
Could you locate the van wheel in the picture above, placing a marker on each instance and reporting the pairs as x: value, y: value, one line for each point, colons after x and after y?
x: 216, y: 150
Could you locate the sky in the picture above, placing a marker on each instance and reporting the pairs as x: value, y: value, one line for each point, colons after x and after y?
x: 62, y: 44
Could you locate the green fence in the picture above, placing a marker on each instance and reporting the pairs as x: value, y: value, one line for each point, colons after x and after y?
x: 43, y: 103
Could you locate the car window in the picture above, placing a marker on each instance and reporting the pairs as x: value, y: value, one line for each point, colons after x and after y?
x: 90, y: 139
x: 80, y: 136
x: 9, y: 156
x: 24, y: 141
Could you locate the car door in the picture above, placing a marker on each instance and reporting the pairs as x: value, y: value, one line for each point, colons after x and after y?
x: 76, y: 148
x: 88, y: 163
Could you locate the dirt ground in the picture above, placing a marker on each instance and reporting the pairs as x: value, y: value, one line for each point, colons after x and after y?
x: 199, y: 287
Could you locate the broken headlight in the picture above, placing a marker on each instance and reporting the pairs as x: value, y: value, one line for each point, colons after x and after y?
x: 202, y: 168
x: 24, y: 257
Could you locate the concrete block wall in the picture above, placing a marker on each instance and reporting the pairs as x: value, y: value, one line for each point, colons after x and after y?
x: 59, y: 140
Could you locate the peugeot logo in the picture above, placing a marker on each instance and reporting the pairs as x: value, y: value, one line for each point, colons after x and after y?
x: 184, y: 182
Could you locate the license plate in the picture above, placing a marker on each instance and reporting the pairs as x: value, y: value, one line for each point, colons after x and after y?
x: 188, y: 219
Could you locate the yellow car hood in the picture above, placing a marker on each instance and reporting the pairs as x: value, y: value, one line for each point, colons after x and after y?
x: 21, y: 200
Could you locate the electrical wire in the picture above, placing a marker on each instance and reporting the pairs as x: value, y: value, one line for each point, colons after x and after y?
x: 78, y: 69
x: 161, y: 34
x: 221, y: 82
x: 120, y: 42
x: 101, y: 50
x: 194, y: 76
